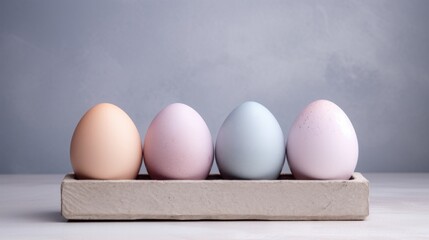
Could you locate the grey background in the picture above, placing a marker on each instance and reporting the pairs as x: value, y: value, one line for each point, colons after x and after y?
x: 58, y: 58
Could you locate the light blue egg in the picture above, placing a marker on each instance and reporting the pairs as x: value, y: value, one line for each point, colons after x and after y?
x: 250, y: 144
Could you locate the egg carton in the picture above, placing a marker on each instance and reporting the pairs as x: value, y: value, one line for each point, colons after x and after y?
x: 215, y: 199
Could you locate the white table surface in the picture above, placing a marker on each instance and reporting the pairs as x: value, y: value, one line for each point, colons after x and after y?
x: 399, y: 209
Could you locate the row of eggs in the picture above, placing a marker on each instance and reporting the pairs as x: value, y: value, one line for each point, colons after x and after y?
x: 321, y: 144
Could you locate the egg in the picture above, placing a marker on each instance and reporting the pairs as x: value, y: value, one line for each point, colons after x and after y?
x: 178, y: 145
x: 322, y: 143
x: 106, y: 145
x: 250, y: 144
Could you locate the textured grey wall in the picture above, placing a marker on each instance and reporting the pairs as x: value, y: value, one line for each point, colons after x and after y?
x: 58, y: 58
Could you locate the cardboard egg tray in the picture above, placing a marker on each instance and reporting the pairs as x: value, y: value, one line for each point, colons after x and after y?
x: 215, y: 199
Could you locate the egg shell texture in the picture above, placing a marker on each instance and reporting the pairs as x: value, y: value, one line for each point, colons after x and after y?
x: 178, y: 145
x: 250, y: 144
x: 322, y: 143
x: 106, y: 145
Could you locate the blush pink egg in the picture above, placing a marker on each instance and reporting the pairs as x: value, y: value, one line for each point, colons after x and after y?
x: 322, y: 143
x: 178, y: 145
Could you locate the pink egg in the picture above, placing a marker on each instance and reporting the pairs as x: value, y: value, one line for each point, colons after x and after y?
x: 322, y: 143
x: 178, y: 145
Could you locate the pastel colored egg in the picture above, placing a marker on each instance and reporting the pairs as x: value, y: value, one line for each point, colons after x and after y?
x: 322, y: 143
x: 250, y: 144
x: 106, y: 145
x: 178, y: 145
